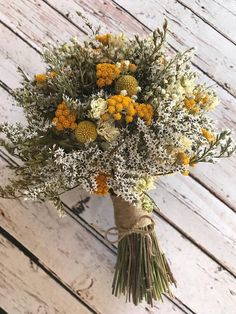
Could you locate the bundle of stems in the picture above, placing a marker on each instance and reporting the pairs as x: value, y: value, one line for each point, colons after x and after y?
x: 142, y: 271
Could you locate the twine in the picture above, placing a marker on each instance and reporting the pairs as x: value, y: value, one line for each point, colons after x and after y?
x: 123, y: 232
x: 129, y: 219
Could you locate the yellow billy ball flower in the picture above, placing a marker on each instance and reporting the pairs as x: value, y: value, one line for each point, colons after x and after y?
x: 129, y: 119
x: 117, y: 116
x: 119, y: 107
x: 86, y: 131
x: 111, y: 109
x: 128, y: 83
x: 102, y: 187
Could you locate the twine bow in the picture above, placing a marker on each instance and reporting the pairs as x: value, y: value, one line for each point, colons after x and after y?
x: 122, y: 232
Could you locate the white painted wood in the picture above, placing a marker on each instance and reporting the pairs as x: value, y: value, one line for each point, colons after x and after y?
x: 219, y: 14
x: 13, y: 53
x: 71, y: 251
x: 215, y: 55
x: 192, y: 268
x: 43, y: 24
x: 59, y: 242
x: 25, y: 288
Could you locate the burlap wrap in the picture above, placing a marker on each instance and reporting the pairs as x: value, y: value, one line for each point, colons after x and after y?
x: 128, y: 216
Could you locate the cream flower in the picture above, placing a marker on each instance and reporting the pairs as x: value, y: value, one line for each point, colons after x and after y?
x: 185, y: 142
x: 145, y: 183
x: 108, y: 131
x: 98, y: 107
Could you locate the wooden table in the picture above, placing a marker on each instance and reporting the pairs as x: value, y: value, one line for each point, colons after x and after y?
x: 53, y: 265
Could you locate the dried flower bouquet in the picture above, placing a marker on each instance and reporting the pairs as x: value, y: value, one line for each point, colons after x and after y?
x: 111, y: 115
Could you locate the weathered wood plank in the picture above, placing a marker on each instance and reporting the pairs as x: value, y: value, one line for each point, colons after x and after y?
x: 72, y: 252
x: 25, y: 288
x: 215, y: 55
x: 59, y: 242
x: 172, y: 201
x: 179, y: 251
x: 221, y: 15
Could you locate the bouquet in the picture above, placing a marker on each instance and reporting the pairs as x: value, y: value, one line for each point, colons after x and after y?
x: 112, y: 115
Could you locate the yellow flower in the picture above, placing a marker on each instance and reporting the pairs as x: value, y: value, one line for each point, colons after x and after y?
x: 128, y: 83
x: 129, y: 119
x: 208, y: 135
x: 86, y: 132
x: 183, y: 158
x: 117, y: 116
x: 102, y: 187
x: 105, y: 116
x: 64, y: 119
x: 40, y: 78
x: 106, y: 73
x: 104, y: 39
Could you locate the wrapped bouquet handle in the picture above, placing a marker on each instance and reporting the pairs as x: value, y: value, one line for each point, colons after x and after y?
x: 141, y: 271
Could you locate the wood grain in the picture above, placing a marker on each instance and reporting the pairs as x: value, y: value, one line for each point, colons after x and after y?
x: 215, y: 55
x: 68, y: 243
x: 71, y: 251
x: 27, y: 289
x: 211, y: 12
x: 196, y: 215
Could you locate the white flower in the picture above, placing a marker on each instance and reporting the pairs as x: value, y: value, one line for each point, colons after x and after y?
x: 98, y: 107
x: 117, y: 40
x: 123, y: 92
x: 108, y: 131
x: 185, y: 142
x: 127, y: 62
x: 145, y: 183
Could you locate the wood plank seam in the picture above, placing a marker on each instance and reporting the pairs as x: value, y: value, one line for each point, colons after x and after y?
x: 48, y: 271
x: 180, y: 304
x: 111, y: 247
x: 223, y: 86
x: 211, y: 191
x: 206, y: 22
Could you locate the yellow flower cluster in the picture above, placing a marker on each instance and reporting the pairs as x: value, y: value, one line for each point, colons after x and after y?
x: 102, y: 187
x: 183, y: 158
x: 64, y: 119
x: 208, y: 135
x: 106, y: 73
x: 104, y: 39
x: 123, y: 107
x: 197, y: 101
x: 43, y: 77
x: 191, y: 105
x: 86, y: 132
